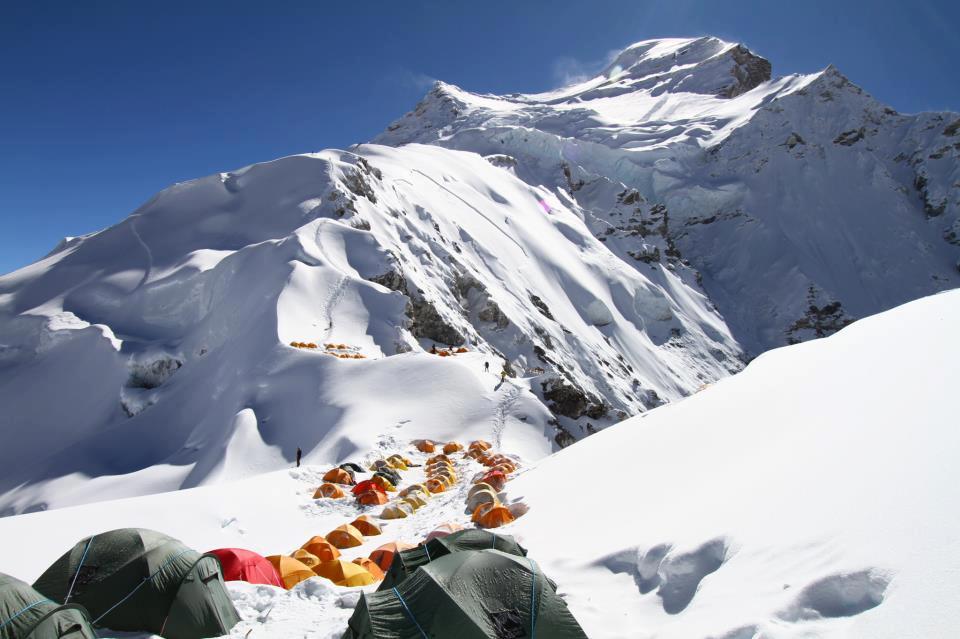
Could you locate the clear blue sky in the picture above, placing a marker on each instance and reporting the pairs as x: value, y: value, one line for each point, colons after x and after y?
x: 104, y: 103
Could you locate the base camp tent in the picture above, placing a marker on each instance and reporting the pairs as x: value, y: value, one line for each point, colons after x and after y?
x: 291, y: 571
x: 245, y: 565
x: 26, y: 614
x: 321, y: 549
x: 139, y: 580
x: 345, y: 536
x: 384, y: 555
x: 484, y: 594
x: 345, y: 573
x: 407, y: 561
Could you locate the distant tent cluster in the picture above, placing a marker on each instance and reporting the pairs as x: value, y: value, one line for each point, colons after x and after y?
x: 128, y: 580
x: 448, y: 352
x: 442, y: 588
x: 341, y: 351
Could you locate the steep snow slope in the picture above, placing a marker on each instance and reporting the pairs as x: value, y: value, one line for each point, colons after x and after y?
x: 800, y: 202
x: 812, y: 495
x: 158, y: 349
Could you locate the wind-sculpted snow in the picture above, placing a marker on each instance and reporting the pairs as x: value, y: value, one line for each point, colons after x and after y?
x: 160, y: 346
x: 799, y: 203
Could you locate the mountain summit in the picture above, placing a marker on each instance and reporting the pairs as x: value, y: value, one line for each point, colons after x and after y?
x: 799, y: 203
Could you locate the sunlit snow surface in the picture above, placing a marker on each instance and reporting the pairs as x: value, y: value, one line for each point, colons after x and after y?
x: 812, y: 495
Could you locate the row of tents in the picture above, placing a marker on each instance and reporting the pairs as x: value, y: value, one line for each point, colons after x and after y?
x: 130, y: 579
x: 483, y: 498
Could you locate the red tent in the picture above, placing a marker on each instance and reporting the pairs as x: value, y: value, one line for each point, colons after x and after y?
x: 246, y: 565
x: 365, y: 485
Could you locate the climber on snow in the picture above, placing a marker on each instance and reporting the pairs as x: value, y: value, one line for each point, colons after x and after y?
x: 299, y: 453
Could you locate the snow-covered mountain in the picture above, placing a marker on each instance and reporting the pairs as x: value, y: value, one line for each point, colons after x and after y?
x: 162, y: 345
x: 800, y: 203
x: 812, y: 495
x: 612, y: 245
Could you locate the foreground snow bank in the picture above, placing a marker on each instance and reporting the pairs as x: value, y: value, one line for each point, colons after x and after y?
x: 814, y: 494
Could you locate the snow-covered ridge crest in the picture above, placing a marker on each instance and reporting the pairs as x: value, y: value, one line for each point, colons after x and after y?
x: 793, y: 199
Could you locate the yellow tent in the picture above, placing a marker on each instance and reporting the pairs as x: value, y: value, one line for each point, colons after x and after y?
x: 308, y: 559
x: 345, y: 573
x: 415, y: 500
x: 290, y: 570
x: 399, y: 510
x: 480, y: 486
x: 481, y: 497
x: 415, y: 488
x: 384, y: 483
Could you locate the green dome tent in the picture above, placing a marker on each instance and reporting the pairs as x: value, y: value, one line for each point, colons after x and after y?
x: 26, y: 614
x: 485, y: 594
x: 143, y: 581
x: 406, y: 562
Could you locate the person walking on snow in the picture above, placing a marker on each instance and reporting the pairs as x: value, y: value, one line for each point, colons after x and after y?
x: 503, y: 376
x: 299, y: 453
x: 486, y: 367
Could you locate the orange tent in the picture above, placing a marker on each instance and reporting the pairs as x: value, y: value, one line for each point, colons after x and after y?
x: 426, y: 446
x: 290, y: 570
x: 451, y: 447
x: 495, y: 478
x: 307, y: 558
x: 366, y: 526
x: 505, y: 468
x: 339, y: 476
x: 492, y: 515
x: 321, y: 549
x: 371, y: 498
x: 370, y: 566
x: 480, y: 444
x: 383, y: 556
x: 344, y: 573
x: 331, y: 491
x: 438, y: 458
x: 436, y: 486
x: 345, y: 536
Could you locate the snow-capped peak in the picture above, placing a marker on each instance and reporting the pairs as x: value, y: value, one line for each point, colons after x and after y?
x: 696, y: 65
